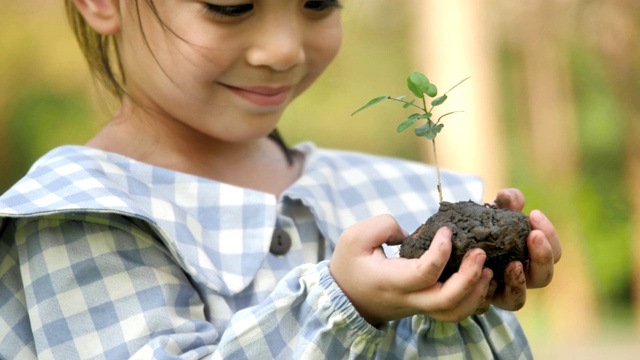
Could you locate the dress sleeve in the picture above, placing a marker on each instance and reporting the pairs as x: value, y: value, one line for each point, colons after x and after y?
x: 309, y: 317
x: 98, y: 286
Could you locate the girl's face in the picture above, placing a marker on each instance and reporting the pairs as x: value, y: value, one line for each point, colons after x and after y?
x: 224, y: 68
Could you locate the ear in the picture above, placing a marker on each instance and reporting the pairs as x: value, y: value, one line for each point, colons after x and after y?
x: 102, y: 15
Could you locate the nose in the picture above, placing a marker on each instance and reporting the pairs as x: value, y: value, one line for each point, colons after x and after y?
x: 278, y: 44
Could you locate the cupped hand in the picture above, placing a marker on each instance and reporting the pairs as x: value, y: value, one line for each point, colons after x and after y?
x: 384, y: 289
x: 544, y: 250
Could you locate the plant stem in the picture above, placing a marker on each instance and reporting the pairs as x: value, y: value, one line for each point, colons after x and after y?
x: 435, y: 154
x: 435, y: 158
x: 424, y: 104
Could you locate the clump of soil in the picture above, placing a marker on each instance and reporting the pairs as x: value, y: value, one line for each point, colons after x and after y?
x: 501, y: 233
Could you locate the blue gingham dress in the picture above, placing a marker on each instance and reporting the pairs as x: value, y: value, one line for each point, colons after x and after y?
x: 105, y: 257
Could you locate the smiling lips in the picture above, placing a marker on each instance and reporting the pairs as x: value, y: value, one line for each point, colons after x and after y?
x: 262, y: 95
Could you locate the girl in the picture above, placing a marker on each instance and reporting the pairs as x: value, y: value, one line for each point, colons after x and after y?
x: 187, y: 229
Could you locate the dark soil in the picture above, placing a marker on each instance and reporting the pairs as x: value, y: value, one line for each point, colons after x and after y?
x: 501, y: 233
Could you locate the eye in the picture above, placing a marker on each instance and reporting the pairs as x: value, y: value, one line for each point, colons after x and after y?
x: 227, y: 11
x: 321, y: 5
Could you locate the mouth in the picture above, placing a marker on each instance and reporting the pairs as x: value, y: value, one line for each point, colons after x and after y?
x: 262, y: 95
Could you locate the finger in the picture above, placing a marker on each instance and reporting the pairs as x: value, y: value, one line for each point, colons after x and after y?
x: 539, y: 221
x: 461, y: 284
x: 474, y: 300
x: 510, y: 199
x: 398, y: 240
x: 514, y: 294
x: 367, y: 236
x: 541, y: 260
x: 486, y: 301
x: 425, y: 271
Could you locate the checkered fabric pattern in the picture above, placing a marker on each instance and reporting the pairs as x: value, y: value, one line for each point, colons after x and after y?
x: 104, y: 257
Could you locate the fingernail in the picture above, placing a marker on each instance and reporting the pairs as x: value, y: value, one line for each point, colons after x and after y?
x: 480, y: 258
x: 538, y: 216
x: 445, y: 232
x: 503, y: 199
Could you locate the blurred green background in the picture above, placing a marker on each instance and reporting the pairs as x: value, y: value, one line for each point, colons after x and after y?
x: 555, y: 112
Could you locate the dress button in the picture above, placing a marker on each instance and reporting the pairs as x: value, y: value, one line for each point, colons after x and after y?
x: 280, y: 242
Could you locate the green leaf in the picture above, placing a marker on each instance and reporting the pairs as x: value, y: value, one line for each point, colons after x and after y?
x: 418, y: 84
x: 406, y: 124
x: 412, y: 120
x: 406, y: 105
x: 439, y: 100
x: 429, y: 130
x: 372, y: 102
x: 414, y: 88
x: 421, y: 116
x: 432, y: 91
x: 426, y: 115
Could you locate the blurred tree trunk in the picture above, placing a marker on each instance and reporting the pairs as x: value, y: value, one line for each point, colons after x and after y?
x: 616, y: 38
x: 630, y: 84
x: 453, y: 41
x: 627, y: 65
x: 633, y: 178
x: 624, y: 57
x: 551, y: 126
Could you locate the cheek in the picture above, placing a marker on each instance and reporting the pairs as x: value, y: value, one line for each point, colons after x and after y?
x: 141, y: 45
x: 182, y: 49
x: 323, y: 48
x: 333, y: 48
x: 329, y: 43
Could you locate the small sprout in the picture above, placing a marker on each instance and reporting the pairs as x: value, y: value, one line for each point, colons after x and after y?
x: 422, y: 88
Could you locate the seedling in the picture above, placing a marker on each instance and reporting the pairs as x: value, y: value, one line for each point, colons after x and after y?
x: 427, y: 94
x: 501, y: 233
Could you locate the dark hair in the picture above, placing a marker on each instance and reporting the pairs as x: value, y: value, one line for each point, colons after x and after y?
x: 101, y: 53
